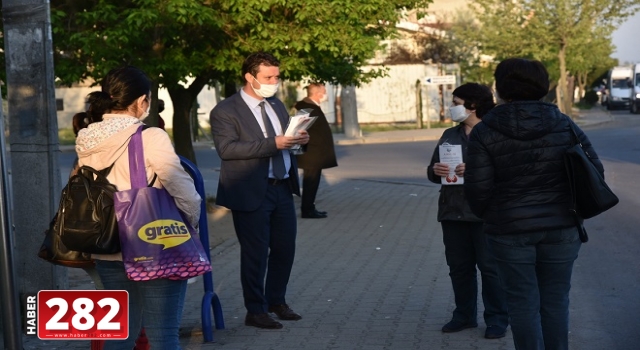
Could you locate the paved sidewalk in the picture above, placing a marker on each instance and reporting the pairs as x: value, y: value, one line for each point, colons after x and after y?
x: 371, y: 276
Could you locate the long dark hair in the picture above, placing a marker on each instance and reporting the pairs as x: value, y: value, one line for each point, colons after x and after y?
x: 79, y: 121
x: 121, y: 87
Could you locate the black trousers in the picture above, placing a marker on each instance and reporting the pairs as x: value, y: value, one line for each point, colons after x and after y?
x: 310, y: 184
x: 267, y: 239
x: 465, y: 248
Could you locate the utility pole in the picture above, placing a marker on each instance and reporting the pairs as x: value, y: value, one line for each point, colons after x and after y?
x: 8, y: 294
x: 33, y: 138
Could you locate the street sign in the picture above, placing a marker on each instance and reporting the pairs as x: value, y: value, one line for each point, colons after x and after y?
x: 440, y: 80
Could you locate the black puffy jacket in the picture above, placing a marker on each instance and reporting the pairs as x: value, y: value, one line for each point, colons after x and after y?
x: 515, y: 178
x: 452, y: 204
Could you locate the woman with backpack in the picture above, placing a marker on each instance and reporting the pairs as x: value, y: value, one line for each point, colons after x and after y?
x: 115, y: 113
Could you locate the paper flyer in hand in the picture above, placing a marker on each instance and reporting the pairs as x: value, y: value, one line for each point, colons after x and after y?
x: 452, y: 156
x: 300, y: 121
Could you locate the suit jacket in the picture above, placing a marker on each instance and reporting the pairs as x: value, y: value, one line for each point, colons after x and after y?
x: 319, y: 153
x: 245, y: 153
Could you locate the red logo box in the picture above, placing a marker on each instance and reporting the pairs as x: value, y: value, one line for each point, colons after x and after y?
x: 83, y: 314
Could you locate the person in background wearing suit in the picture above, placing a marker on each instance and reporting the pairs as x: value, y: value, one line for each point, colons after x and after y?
x: 319, y: 153
x: 258, y: 177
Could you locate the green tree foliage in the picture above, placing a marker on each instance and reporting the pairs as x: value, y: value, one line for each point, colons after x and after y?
x: 560, y: 33
x: 170, y: 40
x: 185, y: 44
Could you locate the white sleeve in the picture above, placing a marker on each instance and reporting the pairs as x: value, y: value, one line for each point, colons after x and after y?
x: 161, y: 159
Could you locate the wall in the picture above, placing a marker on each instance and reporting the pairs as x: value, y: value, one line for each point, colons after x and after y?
x: 73, y: 100
x: 390, y: 99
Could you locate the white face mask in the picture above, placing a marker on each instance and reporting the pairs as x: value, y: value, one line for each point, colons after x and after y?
x: 459, y: 113
x: 265, y: 90
x: 145, y: 114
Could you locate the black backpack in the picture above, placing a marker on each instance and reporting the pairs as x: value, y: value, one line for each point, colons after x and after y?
x: 87, y: 220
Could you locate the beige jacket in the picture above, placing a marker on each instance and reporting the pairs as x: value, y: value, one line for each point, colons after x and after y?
x: 104, y: 143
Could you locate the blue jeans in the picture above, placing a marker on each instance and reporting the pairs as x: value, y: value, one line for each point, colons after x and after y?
x: 159, y: 302
x: 465, y: 248
x: 535, y: 269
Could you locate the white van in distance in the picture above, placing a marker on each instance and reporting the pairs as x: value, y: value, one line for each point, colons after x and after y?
x: 618, y: 90
x: 635, y: 92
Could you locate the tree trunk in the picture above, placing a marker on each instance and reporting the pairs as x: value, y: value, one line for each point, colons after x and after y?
x: 582, y: 85
x: 571, y: 86
x: 349, y: 109
x: 152, y: 119
x: 419, y: 103
x: 563, y: 95
x: 230, y: 88
x: 182, y: 101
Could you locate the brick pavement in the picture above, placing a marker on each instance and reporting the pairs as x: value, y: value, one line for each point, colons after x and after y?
x: 371, y: 276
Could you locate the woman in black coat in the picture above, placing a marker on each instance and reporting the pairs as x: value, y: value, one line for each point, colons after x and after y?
x: 465, y: 243
x: 516, y: 182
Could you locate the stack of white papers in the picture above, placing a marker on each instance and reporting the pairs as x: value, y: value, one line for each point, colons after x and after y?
x: 301, y: 121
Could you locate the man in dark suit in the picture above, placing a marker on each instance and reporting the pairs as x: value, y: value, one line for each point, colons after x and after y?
x: 319, y: 153
x: 258, y: 178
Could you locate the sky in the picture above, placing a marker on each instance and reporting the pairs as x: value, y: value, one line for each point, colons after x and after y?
x: 625, y: 38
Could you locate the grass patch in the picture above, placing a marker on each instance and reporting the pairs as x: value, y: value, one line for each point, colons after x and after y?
x: 582, y: 105
x: 66, y: 137
x: 402, y: 126
x: 369, y: 128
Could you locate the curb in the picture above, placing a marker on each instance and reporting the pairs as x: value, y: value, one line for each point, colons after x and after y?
x: 374, y: 140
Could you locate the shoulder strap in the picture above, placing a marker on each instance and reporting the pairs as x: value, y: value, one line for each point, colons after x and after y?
x: 138, y: 175
x: 136, y: 160
x: 574, y: 135
x: 155, y: 176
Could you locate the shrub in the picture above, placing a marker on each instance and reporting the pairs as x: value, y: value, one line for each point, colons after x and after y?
x: 591, y: 97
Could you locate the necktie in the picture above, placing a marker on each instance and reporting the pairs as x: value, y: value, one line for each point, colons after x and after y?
x: 277, y: 160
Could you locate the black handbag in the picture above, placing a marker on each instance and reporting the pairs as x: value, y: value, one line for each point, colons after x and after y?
x: 55, y: 252
x: 590, y: 194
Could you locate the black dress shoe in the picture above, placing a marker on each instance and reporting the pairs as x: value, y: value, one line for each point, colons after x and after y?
x: 495, y: 332
x: 457, y: 326
x: 321, y: 212
x: 284, y: 312
x: 262, y: 321
x: 314, y: 214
